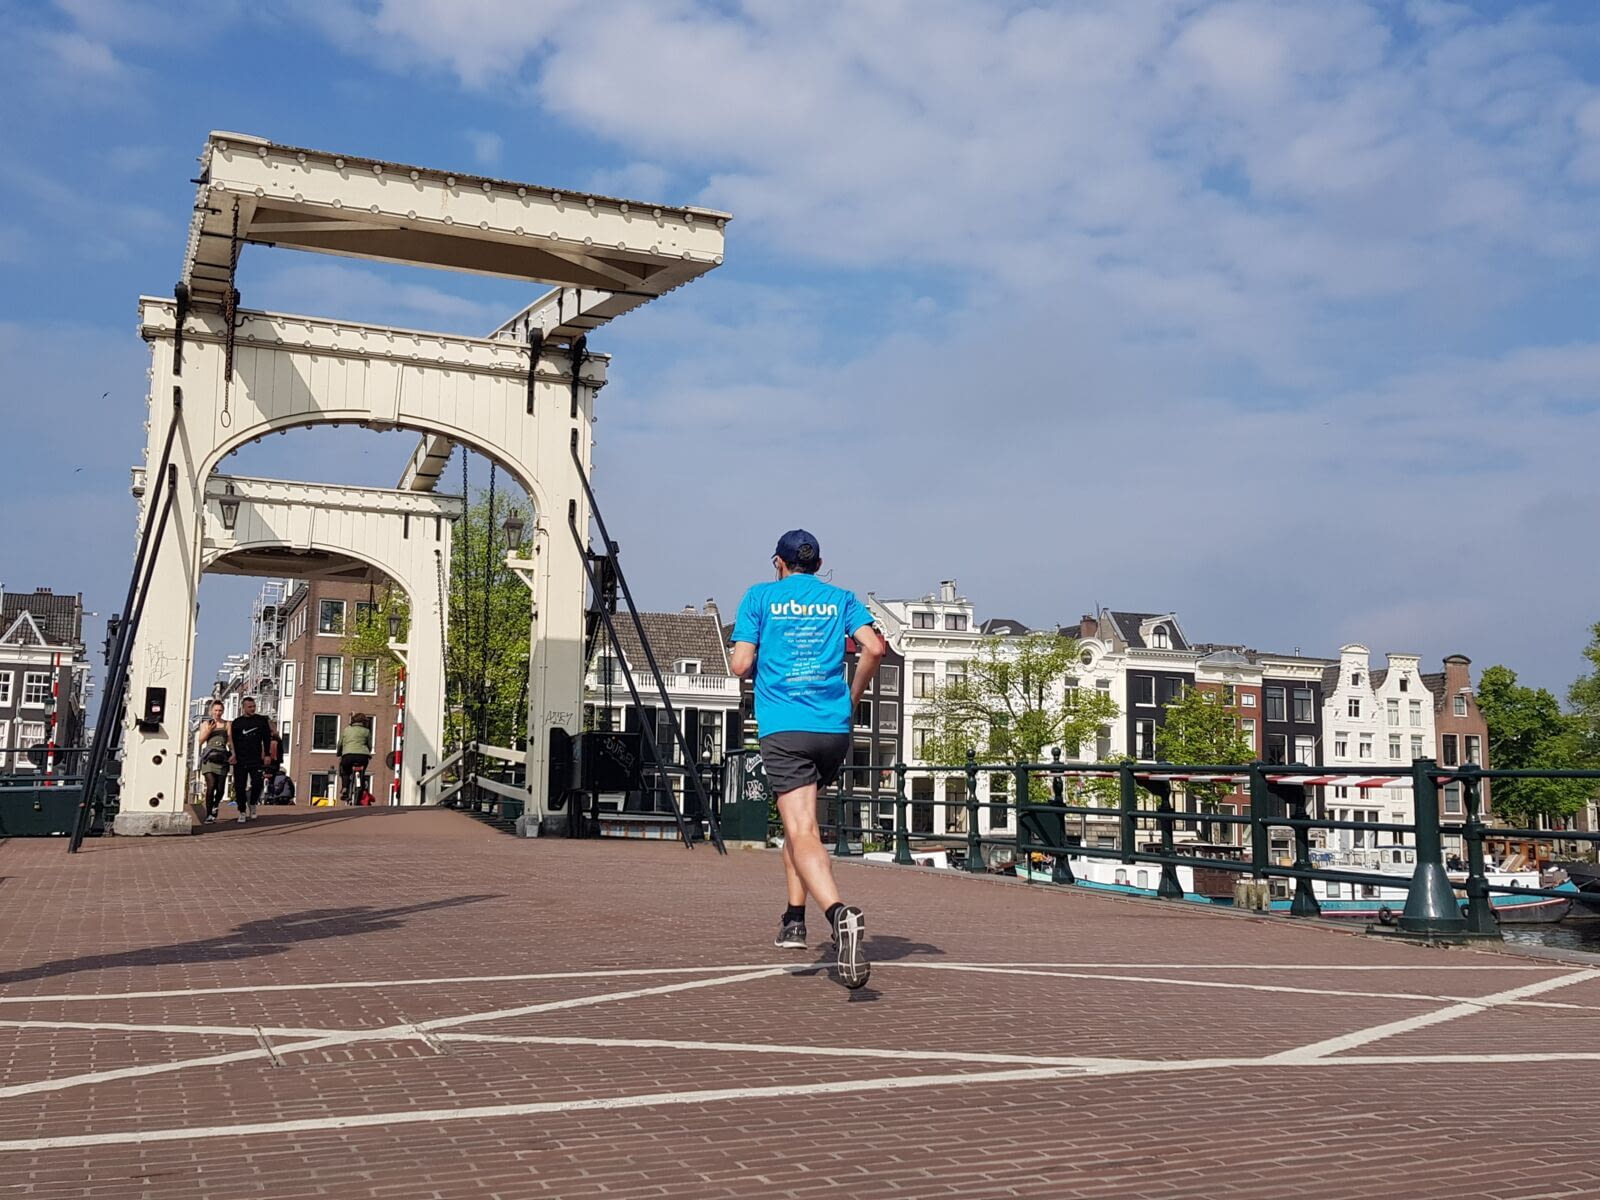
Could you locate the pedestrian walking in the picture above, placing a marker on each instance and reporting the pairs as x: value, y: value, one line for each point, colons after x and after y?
x: 215, y: 755
x: 254, y: 745
x: 791, y: 633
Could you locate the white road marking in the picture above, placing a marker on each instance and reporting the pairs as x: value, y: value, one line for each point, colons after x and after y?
x: 1421, y: 997
x: 133, y: 1027
x: 376, y: 1033
x: 1361, y: 1037
x: 792, y: 967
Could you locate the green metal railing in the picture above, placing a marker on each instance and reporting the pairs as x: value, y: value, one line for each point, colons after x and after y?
x: 1146, y: 823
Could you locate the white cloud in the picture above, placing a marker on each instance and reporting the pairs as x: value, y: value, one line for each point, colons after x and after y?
x: 486, y: 147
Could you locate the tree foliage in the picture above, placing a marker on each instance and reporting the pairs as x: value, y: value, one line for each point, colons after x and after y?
x: 1199, y: 730
x: 1013, y: 704
x: 1528, y: 731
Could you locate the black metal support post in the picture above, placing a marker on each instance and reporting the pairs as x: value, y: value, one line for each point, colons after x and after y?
x: 1061, y: 872
x: 1169, y: 888
x: 1304, y: 903
x: 1128, y: 808
x: 1481, y: 920
x: 902, y: 836
x: 1260, y: 801
x: 1430, y: 902
x: 974, y: 842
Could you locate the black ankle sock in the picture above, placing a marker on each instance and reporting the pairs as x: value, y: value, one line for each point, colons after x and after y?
x: 833, y: 912
x: 795, y: 912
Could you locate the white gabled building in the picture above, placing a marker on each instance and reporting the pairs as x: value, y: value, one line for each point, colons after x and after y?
x: 937, y: 635
x: 1381, y: 720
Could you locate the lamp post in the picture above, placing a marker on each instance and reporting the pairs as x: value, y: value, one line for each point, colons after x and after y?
x: 513, y: 527
x: 230, y: 509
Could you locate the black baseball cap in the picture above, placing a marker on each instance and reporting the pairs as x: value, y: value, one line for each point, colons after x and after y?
x: 792, y: 546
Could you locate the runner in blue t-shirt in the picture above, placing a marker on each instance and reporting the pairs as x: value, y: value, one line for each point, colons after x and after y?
x: 799, y: 625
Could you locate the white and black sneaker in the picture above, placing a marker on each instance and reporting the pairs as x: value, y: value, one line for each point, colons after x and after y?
x: 849, y: 934
x: 252, y: 810
x: 792, y: 936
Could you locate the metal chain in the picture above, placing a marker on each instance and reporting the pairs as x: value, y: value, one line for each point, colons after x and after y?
x: 488, y: 572
x: 444, y: 649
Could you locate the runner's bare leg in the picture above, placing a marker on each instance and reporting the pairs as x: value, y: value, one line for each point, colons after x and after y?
x: 804, y: 858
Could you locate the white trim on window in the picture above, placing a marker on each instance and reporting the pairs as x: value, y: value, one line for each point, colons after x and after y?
x: 36, y: 683
x: 330, y: 680
x: 7, y: 678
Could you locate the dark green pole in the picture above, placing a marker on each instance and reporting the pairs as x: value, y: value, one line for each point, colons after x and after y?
x: 1169, y: 888
x: 1430, y: 902
x: 1480, y: 913
x: 1260, y: 799
x: 1304, y: 903
x: 902, y: 837
x: 1062, y: 871
x: 1128, y: 797
x: 1021, y: 794
x: 841, y: 821
x: 974, y: 842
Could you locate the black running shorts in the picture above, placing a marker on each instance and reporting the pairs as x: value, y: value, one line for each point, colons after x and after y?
x: 794, y: 760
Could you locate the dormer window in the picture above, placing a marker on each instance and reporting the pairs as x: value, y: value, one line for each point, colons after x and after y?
x: 922, y: 620
x: 1159, y: 638
x: 686, y: 666
x: 955, y: 622
x: 1405, y: 683
x: 1355, y: 678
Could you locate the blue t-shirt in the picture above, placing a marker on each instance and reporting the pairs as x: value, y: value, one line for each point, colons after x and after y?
x: 799, y: 626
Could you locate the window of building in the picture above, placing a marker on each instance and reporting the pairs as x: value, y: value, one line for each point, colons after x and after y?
x: 1394, y: 747
x: 1305, y: 749
x: 955, y: 672
x: 1247, y: 727
x: 863, y: 714
x: 364, y: 676
x: 330, y: 616
x: 1416, y: 746
x: 1144, y: 690
x: 1102, y: 744
x: 5, y: 742
x: 1366, y: 745
x: 922, y: 684
x: 1171, y: 691
x: 1448, y: 751
x: 955, y: 622
x: 286, y: 689
x: 605, y: 670
x: 325, y: 731
x: 1230, y: 696
x: 686, y: 666
x: 29, y: 733
x: 330, y: 673
x: 1452, y: 800
x: 1144, y: 739
x: 1405, y: 683
x: 922, y: 620
x: 1277, y: 747
x: 1069, y: 690
x: 888, y: 716
x: 1416, y: 714
x: 710, y: 733
x: 1277, y: 704
x: 1459, y: 706
x: 1355, y: 678
x: 5, y: 688
x: 1102, y: 685
x: 888, y: 679
x: 1247, y: 700
x: 1473, y: 748
x: 1302, y: 706
x: 999, y: 797
x: 920, y: 733
x: 1354, y: 707
x: 1341, y: 744
x: 321, y: 783
x: 35, y: 689
x: 284, y: 739
x: 1393, y: 710
x: 1159, y: 639
x: 365, y: 610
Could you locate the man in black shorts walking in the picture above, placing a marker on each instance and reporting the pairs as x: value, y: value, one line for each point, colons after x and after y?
x: 791, y: 633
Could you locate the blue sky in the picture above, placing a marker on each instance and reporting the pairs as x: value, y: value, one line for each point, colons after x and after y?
x: 1281, y: 315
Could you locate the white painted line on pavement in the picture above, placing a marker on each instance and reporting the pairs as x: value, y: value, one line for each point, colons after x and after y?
x: 1466, y: 1008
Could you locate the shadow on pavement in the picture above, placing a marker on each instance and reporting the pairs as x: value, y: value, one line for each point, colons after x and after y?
x: 253, y: 939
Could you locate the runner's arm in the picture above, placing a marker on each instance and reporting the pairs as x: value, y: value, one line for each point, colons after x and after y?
x: 869, y: 648
x: 743, y: 660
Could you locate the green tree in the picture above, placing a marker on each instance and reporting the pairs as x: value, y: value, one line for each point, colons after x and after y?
x: 1199, y: 730
x: 1584, y: 697
x: 1014, y: 704
x: 1528, y: 731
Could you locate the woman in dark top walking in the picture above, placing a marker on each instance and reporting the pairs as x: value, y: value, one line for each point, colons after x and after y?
x: 215, y: 751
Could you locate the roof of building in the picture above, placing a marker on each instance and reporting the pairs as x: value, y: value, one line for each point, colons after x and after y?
x: 1225, y: 656
x: 673, y: 637
x: 58, y: 618
x: 1127, y: 626
x: 1003, y: 626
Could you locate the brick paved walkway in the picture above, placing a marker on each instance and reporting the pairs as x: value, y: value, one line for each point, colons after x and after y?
x: 406, y: 1005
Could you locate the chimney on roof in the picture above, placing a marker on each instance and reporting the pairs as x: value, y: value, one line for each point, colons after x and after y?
x: 691, y: 610
x: 947, y: 590
x: 711, y: 609
x: 1088, y: 626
